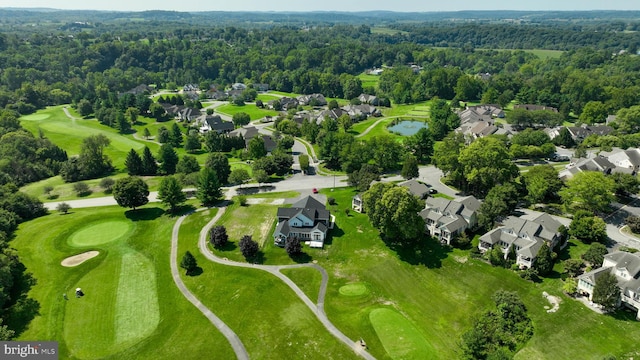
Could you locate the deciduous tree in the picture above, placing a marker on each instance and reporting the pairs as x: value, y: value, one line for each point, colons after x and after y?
x: 219, y: 163
x: 218, y: 236
x: 410, y: 167
x: 293, y: 246
x: 606, y: 291
x: 588, y: 190
x: 248, y: 247
x: 131, y: 192
x: 485, y: 164
x: 595, y: 255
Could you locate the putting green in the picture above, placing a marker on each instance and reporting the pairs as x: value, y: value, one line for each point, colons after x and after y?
x: 35, y: 117
x: 98, y: 233
x: 355, y: 289
x: 120, y: 307
x: 400, y: 338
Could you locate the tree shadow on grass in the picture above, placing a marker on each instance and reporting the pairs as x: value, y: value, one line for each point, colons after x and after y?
x: 181, y: 210
x: 229, y: 246
x: 21, y: 309
x: 301, y: 258
x: 335, y: 232
x: 427, y: 252
x: 258, y: 258
x: 195, y: 272
x: 624, y: 314
x: 146, y: 214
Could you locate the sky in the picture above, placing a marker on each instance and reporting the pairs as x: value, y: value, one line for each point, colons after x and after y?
x: 327, y: 5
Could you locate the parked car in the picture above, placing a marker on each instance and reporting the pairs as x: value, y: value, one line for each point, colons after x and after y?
x: 315, y: 191
x: 433, y: 191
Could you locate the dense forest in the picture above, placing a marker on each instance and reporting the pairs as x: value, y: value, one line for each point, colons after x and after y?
x: 89, y: 59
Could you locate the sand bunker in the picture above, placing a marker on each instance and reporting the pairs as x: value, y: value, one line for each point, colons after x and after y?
x: 79, y: 259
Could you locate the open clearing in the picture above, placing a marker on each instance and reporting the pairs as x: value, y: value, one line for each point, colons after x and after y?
x: 100, y: 233
x: 401, y: 339
x: 76, y: 260
x: 356, y: 289
x: 131, y: 308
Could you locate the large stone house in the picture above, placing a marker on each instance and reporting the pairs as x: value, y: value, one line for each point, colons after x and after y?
x: 308, y: 220
x: 525, y: 236
x: 626, y: 267
x: 445, y: 219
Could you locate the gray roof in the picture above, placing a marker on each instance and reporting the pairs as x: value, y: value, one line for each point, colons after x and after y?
x: 415, y: 187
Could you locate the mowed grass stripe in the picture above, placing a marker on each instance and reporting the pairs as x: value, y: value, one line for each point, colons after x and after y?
x: 88, y: 325
x: 400, y: 338
x: 137, y: 313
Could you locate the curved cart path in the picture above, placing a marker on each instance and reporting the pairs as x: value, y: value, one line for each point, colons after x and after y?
x: 234, y: 340
x: 317, y: 309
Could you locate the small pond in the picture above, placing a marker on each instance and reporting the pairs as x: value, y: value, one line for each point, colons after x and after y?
x: 408, y: 128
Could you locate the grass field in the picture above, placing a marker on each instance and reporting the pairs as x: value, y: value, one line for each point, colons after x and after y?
x: 272, y: 322
x: 400, y: 338
x: 131, y: 308
x: 254, y: 112
x: 369, y: 80
x: 439, y: 291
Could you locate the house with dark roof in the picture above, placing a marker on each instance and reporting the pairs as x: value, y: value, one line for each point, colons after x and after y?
x: 249, y: 132
x: 286, y: 103
x: 416, y: 188
x: 445, y: 219
x: 524, y: 236
x: 316, y: 99
x: 598, y: 163
x: 626, y: 268
x: 579, y: 133
x: 307, y: 219
x: 215, y: 123
x: 368, y: 99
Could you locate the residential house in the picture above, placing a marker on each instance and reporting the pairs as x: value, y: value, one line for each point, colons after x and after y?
x: 261, y: 87
x: 579, y: 133
x: 368, y: 99
x: 315, y: 99
x: 375, y: 71
x: 140, y: 89
x: 445, y: 219
x: 307, y: 219
x: 188, y: 114
x: 610, y: 119
x: 416, y: 188
x: 249, y: 132
x: 213, y: 123
x: 493, y: 110
x: 524, y: 236
x: 362, y: 111
x: 530, y: 107
x: 598, y: 163
x: 286, y: 103
x: 629, y: 159
x: 190, y: 87
x: 484, y: 76
x: 239, y: 86
x: 357, y: 204
x: 626, y: 267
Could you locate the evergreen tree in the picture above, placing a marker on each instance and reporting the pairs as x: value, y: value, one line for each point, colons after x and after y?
x: 149, y: 165
x: 193, y: 143
x: 219, y: 163
x: 248, y: 247
x: 170, y: 193
x: 133, y: 163
x: 293, y: 246
x: 146, y: 133
x: 208, y: 187
x: 176, y: 136
x: 188, y: 263
x: 218, y: 236
x: 168, y: 159
x: 544, y: 260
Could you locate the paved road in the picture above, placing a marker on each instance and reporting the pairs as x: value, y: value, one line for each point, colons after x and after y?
x: 317, y: 309
x: 234, y: 340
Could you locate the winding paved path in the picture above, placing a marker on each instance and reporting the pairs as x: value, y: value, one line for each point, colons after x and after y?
x: 317, y: 308
x: 234, y: 340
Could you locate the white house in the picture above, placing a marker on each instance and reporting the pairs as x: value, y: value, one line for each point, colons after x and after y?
x: 445, y: 219
x: 626, y: 267
x: 525, y: 236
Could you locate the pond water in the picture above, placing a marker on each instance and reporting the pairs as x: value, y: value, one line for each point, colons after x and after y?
x: 408, y: 128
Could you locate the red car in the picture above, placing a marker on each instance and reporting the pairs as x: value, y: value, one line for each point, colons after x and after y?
x: 315, y: 191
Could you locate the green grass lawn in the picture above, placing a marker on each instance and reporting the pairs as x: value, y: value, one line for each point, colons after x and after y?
x: 405, y: 109
x: 369, y: 80
x: 401, y: 339
x: 439, y: 291
x: 254, y: 112
x: 131, y: 308
x: 271, y: 321
x: 64, y: 191
x: 266, y: 98
x: 68, y: 134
